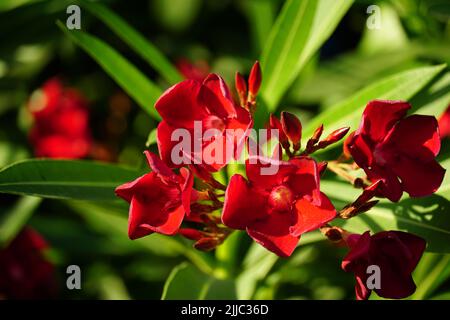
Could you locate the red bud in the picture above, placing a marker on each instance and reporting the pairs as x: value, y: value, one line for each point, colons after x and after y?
x: 322, y: 166
x: 318, y: 133
x: 347, y: 142
x: 189, y: 233
x: 369, y: 192
x: 206, y: 244
x: 292, y: 127
x: 274, y: 123
x: 254, y: 80
x: 241, y: 88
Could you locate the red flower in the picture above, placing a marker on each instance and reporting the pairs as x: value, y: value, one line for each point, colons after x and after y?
x: 395, y: 253
x: 397, y: 149
x: 444, y: 123
x: 24, y: 271
x: 61, y: 122
x: 210, y: 104
x: 159, y: 200
x: 276, y: 209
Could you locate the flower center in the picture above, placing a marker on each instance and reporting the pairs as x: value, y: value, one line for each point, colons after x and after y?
x: 281, y: 198
x: 213, y: 122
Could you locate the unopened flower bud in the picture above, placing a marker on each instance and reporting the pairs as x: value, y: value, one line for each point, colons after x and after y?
x: 241, y: 88
x: 192, y: 234
x: 254, y: 80
x: 292, y: 127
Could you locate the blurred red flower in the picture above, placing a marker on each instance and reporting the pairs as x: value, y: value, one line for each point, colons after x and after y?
x: 395, y: 253
x: 276, y: 209
x: 444, y: 123
x: 197, y: 70
x: 159, y: 200
x: 24, y: 271
x: 61, y: 122
x: 210, y: 104
x: 397, y: 149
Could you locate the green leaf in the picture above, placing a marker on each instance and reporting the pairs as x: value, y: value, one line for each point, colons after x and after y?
x: 427, y: 217
x: 82, y: 180
x: 433, y: 275
x: 187, y: 282
x: 151, y: 139
x: 133, y: 81
x: 259, y: 262
x: 14, y: 219
x: 260, y: 15
x: 401, y: 86
x: 135, y: 40
x: 299, y: 31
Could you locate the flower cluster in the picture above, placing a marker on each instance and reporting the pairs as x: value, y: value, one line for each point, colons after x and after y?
x: 275, y: 207
x: 60, y: 122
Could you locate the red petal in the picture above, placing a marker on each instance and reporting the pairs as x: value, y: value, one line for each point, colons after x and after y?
x: 359, y: 251
x: 179, y: 105
x: 238, y: 211
x: 239, y: 130
x: 159, y: 167
x: 216, y: 96
x: 361, y: 151
x: 186, y: 193
x: 305, y: 181
x: 273, y: 233
x: 311, y: 217
x: 146, y: 218
x: 391, y: 187
x: 165, y: 145
x: 259, y: 174
x: 444, y: 123
x: 418, y: 178
x: 416, y: 136
x: 380, y: 116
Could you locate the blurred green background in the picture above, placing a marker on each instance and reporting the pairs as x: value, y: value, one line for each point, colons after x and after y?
x: 226, y: 36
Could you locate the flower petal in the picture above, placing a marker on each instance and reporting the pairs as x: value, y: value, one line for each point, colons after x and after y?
x: 165, y: 144
x: 419, y: 179
x: 145, y: 219
x: 266, y: 172
x: 216, y: 96
x: 159, y: 167
x: 416, y: 136
x: 310, y: 216
x: 305, y: 182
x: 391, y: 187
x: 273, y: 233
x: 380, y: 116
x: 179, y: 104
x: 238, y: 211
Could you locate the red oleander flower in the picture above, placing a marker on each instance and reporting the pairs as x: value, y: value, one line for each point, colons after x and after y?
x: 61, y: 122
x: 276, y: 209
x: 395, y: 253
x: 24, y: 271
x: 444, y: 123
x: 210, y: 105
x: 397, y: 149
x: 159, y: 200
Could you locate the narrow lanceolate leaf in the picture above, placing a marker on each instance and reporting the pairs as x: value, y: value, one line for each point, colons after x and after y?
x: 13, y: 220
x: 133, y: 81
x: 187, y: 282
x: 135, y: 40
x: 299, y: 31
x: 82, y: 180
x: 427, y: 217
x: 401, y: 86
